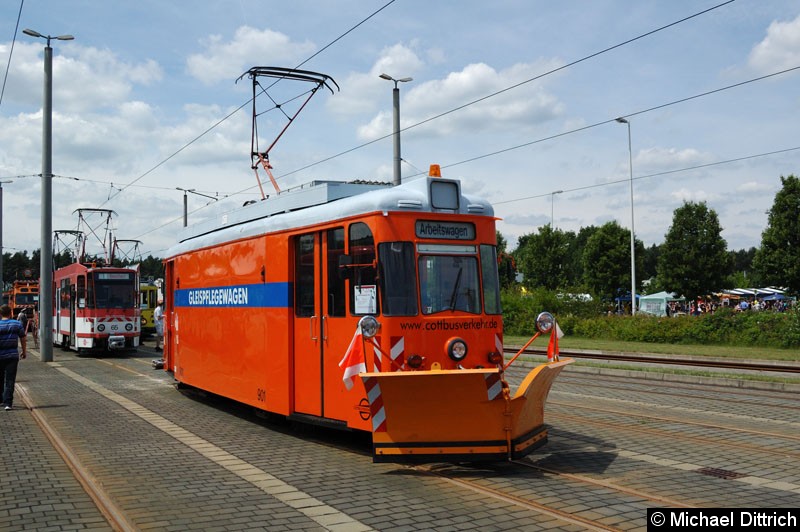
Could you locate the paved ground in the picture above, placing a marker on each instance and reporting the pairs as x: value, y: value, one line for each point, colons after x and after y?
x: 160, y: 460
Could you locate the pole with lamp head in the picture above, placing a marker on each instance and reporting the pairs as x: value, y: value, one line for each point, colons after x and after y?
x: 396, y: 105
x: 46, y: 256
x: 2, y: 281
x: 622, y: 120
x: 186, y: 202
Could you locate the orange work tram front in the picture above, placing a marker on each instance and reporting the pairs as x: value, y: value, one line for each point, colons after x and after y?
x: 358, y: 305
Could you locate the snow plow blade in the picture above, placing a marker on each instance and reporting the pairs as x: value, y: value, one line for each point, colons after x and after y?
x: 457, y: 415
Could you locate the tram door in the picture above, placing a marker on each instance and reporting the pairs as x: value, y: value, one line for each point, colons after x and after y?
x: 73, y: 301
x: 318, y: 305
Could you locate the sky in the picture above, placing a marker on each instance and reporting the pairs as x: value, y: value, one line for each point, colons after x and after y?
x: 516, y: 98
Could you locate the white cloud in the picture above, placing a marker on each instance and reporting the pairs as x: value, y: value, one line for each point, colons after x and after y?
x: 652, y: 160
x: 695, y: 196
x: 363, y: 90
x: 779, y: 50
x: 84, y: 78
x: 249, y: 47
x: 522, y: 107
x: 753, y: 186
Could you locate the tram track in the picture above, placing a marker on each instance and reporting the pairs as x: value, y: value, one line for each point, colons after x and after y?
x: 751, y: 397
x: 116, y: 517
x: 747, y: 365
x: 504, y: 483
x: 606, y: 425
x: 119, y: 520
x: 682, y: 421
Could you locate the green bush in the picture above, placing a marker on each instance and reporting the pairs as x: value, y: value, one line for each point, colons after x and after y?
x: 586, y: 319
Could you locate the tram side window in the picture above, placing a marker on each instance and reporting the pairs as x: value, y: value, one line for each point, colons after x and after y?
x: 336, y: 288
x: 65, y: 293
x: 398, y: 278
x: 81, y: 291
x: 363, y: 289
x: 304, y: 276
x: 491, y: 280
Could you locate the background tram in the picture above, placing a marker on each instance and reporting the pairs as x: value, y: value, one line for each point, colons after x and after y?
x: 262, y: 307
x: 23, y: 295
x: 96, y: 308
x: 148, y: 299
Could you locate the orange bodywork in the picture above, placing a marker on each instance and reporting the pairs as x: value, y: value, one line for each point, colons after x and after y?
x: 262, y: 311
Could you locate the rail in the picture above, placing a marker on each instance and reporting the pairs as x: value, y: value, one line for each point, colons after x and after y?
x: 716, y: 363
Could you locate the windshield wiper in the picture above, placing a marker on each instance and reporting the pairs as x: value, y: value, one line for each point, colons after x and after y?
x: 454, y: 297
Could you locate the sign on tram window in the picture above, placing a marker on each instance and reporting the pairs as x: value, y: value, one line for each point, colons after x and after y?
x: 110, y: 276
x: 445, y: 230
x: 366, y: 299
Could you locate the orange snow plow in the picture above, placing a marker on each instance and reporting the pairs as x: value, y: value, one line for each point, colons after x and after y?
x: 442, y: 415
x: 457, y: 415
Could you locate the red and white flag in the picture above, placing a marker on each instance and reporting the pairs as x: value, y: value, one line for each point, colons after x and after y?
x: 552, y: 347
x: 354, y: 361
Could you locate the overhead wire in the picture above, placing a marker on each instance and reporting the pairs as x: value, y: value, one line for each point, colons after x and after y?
x: 577, y: 61
x: 610, y: 120
x: 511, y: 87
x: 657, y: 174
x: 248, y: 102
x: 583, y: 128
x: 11, y: 51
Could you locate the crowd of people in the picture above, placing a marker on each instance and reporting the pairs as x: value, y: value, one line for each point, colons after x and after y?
x: 701, y: 306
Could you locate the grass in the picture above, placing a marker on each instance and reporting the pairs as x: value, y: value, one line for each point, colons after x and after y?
x: 722, y: 351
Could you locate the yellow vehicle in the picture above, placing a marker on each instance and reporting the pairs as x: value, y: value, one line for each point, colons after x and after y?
x: 148, y: 299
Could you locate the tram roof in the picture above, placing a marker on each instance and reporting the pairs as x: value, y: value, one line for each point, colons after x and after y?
x: 323, y: 201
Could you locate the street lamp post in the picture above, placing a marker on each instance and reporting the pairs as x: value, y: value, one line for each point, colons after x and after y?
x: 396, y: 104
x: 46, y: 255
x: 2, y: 283
x: 633, y: 245
x: 552, y: 201
x: 186, y: 202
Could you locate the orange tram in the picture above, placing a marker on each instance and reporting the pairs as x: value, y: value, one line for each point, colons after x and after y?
x: 358, y: 305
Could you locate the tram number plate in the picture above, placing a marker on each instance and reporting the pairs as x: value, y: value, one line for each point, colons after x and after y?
x: 261, y: 394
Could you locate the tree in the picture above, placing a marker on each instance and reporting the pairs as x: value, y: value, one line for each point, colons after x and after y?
x: 573, y: 268
x: 744, y: 275
x: 506, y: 267
x: 607, y: 261
x: 540, y: 257
x: 694, y: 259
x: 151, y: 267
x: 778, y: 259
x: 651, y: 255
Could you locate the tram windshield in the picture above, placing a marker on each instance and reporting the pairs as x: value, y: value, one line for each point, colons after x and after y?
x: 112, y: 290
x: 449, y: 278
x: 449, y: 283
x: 26, y: 299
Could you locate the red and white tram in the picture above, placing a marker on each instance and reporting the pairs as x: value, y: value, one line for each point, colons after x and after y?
x: 96, y: 308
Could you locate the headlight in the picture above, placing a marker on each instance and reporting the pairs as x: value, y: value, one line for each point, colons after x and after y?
x: 545, y: 322
x: 495, y: 358
x: 144, y: 320
x: 456, y: 349
x: 129, y: 326
x: 101, y: 327
x: 369, y: 326
x: 415, y: 361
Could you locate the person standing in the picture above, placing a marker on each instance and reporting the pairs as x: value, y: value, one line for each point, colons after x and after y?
x: 11, y: 331
x: 158, y: 317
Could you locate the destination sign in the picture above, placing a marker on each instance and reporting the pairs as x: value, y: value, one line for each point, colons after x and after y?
x: 115, y: 276
x: 445, y: 230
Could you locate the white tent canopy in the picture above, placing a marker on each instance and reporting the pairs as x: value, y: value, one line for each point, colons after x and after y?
x: 656, y: 304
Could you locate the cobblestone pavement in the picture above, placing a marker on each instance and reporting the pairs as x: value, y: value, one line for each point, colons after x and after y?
x: 171, y: 461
